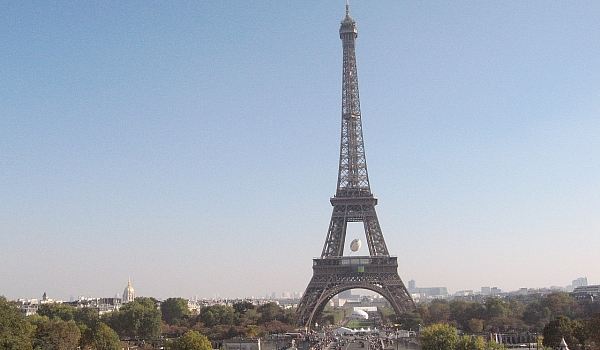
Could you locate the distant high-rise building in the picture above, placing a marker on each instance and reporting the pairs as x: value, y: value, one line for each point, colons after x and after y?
x: 347, y: 294
x: 427, y: 292
x: 486, y: 290
x: 495, y: 291
x: 463, y: 293
x: 579, y: 282
x: 128, y: 293
x: 587, y: 292
x: 436, y: 292
x: 412, y: 285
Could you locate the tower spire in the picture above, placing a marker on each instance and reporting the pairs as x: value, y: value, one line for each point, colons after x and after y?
x: 353, y: 200
x: 347, y: 9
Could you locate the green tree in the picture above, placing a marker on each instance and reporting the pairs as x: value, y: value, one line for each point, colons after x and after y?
x: 221, y: 331
x: 217, y: 315
x: 462, y: 312
x: 241, y: 307
x: 55, y: 334
x: 87, y: 319
x: 439, y: 336
x: 331, y: 316
x: 495, y: 308
x: 174, y: 310
x: 62, y: 311
x: 561, y: 327
x: 410, y: 320
x: 252, y: 331
x: 270, y: 312
x: 494, y: 346
x: 173, y: 331
x: 191, y: 340
x: 104, y: 338
x: 277, y: 326
x: 475, y: 325
x: 87, y: 316
x: 288, y: 316
x: 439, y: 311
x: 15, y: 331
x: 592, y: 327
x: 138, y: 319
x: 561, y: 304
x: 537, y: 315
x: 470, y: 343
x: 250, y: 317
x: 476, y: 343
x: 580, y: 332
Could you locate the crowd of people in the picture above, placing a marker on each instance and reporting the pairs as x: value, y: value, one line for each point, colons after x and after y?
x: 381, y: 340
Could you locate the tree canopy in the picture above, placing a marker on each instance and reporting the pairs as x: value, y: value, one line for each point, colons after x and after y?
x: 191, y: 340
x: 105, y: 338
x: 137, y: 319
x: 563, y: 327
x: 442, y: 336
x: 174, y: 310
x: 55, y: 334
x: 15, y: 331
x: 439, y: 336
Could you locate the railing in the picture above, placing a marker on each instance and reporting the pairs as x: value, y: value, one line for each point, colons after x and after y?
x: 355, y: 260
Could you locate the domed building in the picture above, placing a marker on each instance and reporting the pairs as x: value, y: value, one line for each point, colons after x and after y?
x: 128, y: 293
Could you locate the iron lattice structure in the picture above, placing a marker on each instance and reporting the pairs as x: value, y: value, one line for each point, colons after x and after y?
x: 353, y: 202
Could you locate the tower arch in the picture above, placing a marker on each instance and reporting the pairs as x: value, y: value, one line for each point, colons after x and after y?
x: 331, y: 293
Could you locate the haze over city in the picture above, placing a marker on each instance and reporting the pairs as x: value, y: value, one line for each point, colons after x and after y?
x: 194, y: 146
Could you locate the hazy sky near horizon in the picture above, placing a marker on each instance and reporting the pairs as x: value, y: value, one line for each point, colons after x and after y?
x: 193, y: 145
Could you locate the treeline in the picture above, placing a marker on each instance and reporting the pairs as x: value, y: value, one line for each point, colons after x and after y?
x: 553, y: 317
x: 56, y: 327
x: 61, y: 326
x: 578, y: 334
x: 517, y: 314
x: 220, y: 322
x: 444, y: 336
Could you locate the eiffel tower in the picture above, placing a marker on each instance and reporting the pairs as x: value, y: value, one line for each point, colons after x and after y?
x: 353, y: 202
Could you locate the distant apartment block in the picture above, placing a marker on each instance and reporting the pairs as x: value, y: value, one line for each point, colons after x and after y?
x: 426, y: 292
x: 580, y: 282
x: 586, y: 292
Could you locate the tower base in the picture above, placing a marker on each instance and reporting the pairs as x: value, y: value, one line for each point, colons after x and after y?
x: 334, y: 275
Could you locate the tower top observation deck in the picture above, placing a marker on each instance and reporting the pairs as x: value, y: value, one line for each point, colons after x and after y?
x: 348, y: 25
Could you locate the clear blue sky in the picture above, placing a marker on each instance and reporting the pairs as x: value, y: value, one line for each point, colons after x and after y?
x: 193, y: 145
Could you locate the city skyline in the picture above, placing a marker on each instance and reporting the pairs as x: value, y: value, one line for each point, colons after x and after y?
x: 296, y: 294
x: 173, y: 143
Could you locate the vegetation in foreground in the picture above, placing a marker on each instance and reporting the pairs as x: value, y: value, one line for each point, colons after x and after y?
x: 60, y: 326
x: 444, y: 336
x: 552, y: 316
